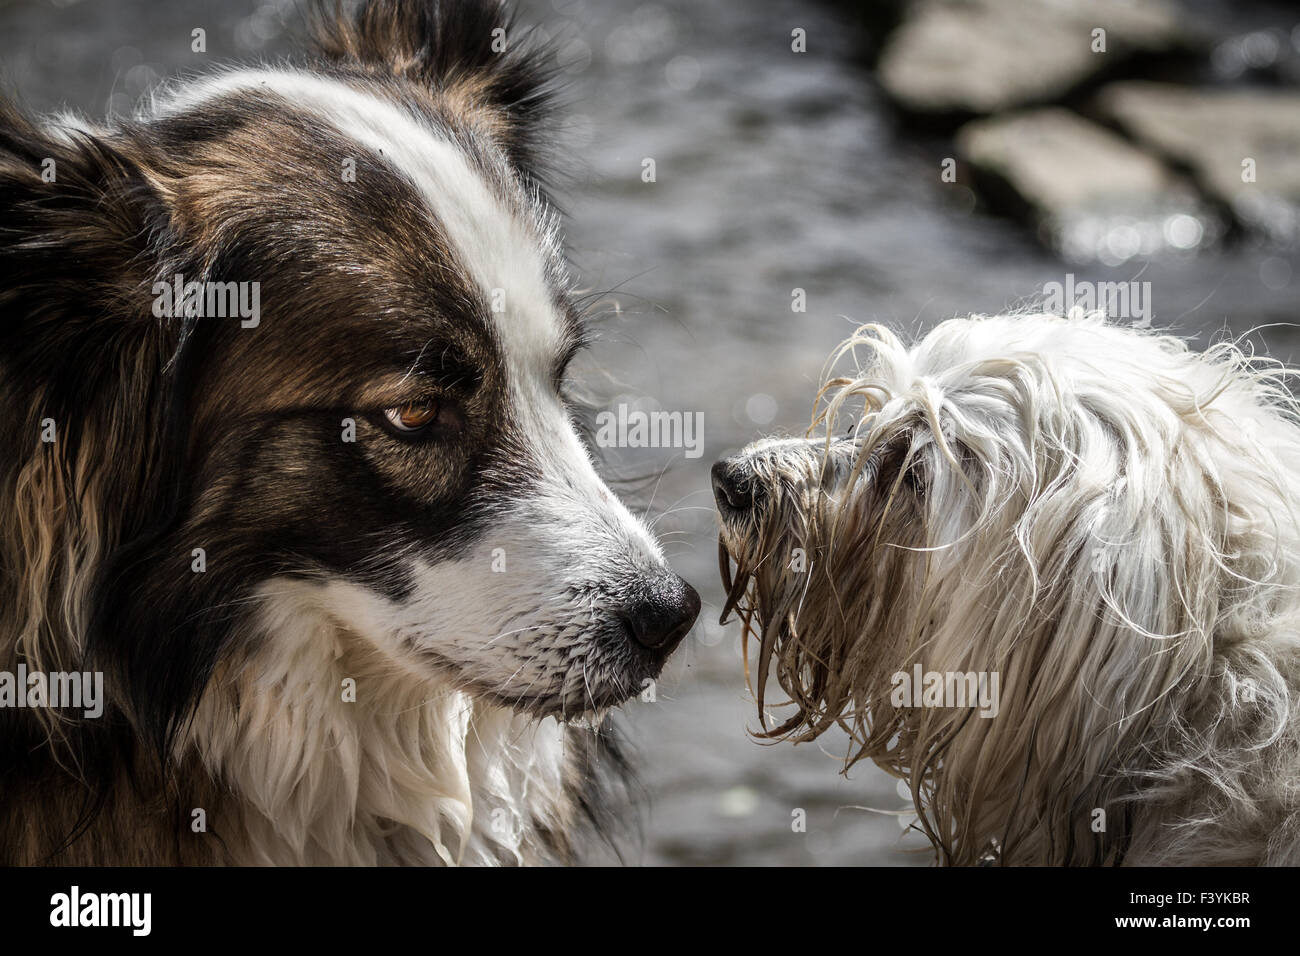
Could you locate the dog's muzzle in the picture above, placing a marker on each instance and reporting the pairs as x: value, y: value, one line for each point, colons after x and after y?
x: 735, y: 487
x: 751, y: 482
x: 659, y: 617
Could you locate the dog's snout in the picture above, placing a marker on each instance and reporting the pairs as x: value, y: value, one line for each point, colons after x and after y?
x: 660, y: 618
x: 734, y: 487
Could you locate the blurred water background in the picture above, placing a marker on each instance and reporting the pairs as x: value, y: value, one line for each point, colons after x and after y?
x: 775, y: 171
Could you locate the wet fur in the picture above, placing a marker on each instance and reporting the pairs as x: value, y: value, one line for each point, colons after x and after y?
x: 1104, y: 517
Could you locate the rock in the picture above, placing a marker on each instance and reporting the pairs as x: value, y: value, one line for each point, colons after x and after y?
x: 985, y: 56
x: 1094, y: 195
x: 1241, y: 145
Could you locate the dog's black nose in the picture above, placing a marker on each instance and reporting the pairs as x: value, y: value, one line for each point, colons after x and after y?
x: 660, y: 618
x: 733, y: 485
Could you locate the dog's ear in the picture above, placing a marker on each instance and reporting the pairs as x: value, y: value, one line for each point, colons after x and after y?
x: 82, y: 236
x: 472, y: 53
x: 81, y: 362
x: 80, y: 233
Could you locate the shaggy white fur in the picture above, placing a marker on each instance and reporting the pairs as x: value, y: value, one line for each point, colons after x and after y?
x: 1101, y: 517
x: 408, y: 772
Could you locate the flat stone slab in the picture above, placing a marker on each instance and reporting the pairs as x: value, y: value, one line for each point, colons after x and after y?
x: 1094, y: 195
x: 1225, y: 138
x: 986, y: 56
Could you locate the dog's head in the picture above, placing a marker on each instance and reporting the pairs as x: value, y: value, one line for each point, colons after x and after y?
x: 376, y: 416
x: 1014, y: 576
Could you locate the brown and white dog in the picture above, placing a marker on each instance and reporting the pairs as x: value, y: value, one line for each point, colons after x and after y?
x: 342, y: 559
x: 1049, y: 576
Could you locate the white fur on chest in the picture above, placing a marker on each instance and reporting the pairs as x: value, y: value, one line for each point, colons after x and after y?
x: 409, y: 772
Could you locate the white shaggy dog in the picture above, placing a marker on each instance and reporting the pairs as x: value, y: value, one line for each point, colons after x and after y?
x: 1095, y: 527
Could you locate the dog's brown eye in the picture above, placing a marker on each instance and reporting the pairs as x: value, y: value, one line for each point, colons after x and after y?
x: 413, y: 416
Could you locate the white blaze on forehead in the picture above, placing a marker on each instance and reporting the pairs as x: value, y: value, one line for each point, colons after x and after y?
x: 503, y: 246
x: 500, y: 248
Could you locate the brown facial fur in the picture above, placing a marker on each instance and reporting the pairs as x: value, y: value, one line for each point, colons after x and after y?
x: 176, y: 434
